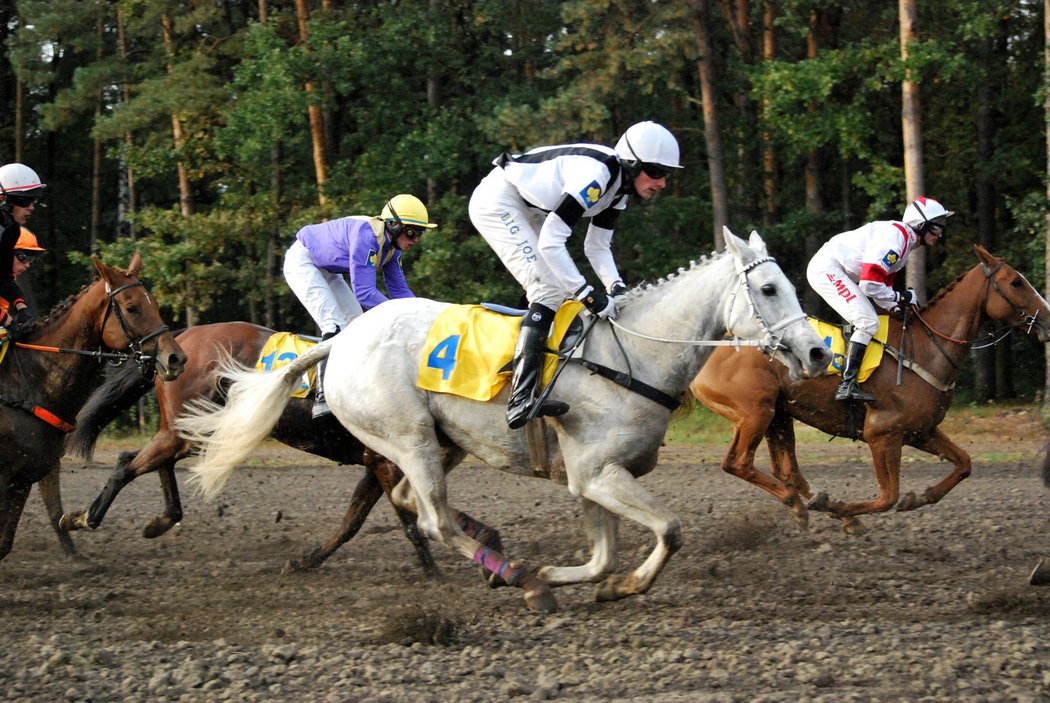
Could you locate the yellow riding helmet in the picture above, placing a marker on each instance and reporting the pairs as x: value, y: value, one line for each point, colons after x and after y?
x: 27, y: 240
x: 406, y: 210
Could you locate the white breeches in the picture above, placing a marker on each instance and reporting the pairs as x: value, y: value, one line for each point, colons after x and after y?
x: 829, y: 280
x: 512, y: 229
x: 326, y: 296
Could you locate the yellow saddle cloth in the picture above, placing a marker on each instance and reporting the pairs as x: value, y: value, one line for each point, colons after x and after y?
x: 836, y: 343
x: 281, y: 349
x: 469, y: 348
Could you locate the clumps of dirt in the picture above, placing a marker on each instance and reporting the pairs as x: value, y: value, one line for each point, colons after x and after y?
x: 1023, y: 601
x: 409, y: 624
x: 741, y: 533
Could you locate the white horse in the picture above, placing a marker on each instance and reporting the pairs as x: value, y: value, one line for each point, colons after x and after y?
x: 609, y: 437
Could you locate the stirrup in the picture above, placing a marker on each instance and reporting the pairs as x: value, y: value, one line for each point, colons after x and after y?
x: 518, y: 416
x: 851, y: 390
x: 320, y: 408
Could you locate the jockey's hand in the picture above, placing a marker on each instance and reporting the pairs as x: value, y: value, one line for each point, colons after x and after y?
x: 906, y: 299
x: 23, y: 316
x: 597, y: 302
x: 618, y: 290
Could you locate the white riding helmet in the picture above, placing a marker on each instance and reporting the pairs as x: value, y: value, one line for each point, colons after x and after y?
x: 19, y: 179
x: 924, y: 212
x: 648, y: 143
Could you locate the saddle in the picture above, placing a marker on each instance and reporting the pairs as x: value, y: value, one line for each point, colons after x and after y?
x: 835, y: 336
x: 469, y: 349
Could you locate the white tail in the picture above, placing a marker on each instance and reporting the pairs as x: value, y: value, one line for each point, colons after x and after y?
x: 227, y: 434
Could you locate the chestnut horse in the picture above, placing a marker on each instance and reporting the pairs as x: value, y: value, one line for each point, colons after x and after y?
x: 207, y: 346
x: 761, y: 400
x: 40, y: 392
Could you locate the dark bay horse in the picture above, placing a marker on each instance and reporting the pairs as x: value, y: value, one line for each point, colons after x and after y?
x: 41, y: 392
x: 759, y: 398
x: 207, y: 346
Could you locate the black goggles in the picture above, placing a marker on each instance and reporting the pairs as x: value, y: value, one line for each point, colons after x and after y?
x: 25, y: 257
x: 655, y: 171
x: 21, y: 200
x: 413, y: 233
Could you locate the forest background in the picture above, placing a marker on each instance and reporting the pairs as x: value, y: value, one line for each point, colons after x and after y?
x: 206, y: 133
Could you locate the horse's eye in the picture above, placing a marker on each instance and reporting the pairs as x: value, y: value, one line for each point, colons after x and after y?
x: 769, y: 290
x: 132, y: 309
x: 1016, y: 283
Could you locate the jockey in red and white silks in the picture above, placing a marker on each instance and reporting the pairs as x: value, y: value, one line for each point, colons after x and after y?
x: 857, y: 268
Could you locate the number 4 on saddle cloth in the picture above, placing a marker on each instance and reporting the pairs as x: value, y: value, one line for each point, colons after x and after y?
x: 836, y: 344
x: 469, y: 349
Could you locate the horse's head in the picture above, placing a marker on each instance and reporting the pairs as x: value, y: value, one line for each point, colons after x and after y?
x: 132, y: 320
x: 765, y: 306
x: 1012, y: 298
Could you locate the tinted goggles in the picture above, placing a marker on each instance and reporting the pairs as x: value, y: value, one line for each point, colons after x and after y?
x: 21, y: 200
x: 413, y: 233
x: 25, y: 257
x: 655, y: 171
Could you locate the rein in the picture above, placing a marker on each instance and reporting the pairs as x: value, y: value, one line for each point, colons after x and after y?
x: 143, y: 360
x: 768, y: 344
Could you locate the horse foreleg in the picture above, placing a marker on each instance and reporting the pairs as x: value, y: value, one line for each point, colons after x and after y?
x: 601, y: 528
x: 172, y: 504
x: 51, y: 493
x: 12, y: 502
x: 780, y: 438
x: 616, y: 490
x: 939, y: 444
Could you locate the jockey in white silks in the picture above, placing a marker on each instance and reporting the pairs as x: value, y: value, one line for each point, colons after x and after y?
x: 857, y: 268
x: 526, y: 209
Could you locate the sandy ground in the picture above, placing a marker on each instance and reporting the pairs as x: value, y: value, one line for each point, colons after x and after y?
x: 930, y: 605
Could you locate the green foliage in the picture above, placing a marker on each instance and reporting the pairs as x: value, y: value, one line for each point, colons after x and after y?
x: 420, y: 97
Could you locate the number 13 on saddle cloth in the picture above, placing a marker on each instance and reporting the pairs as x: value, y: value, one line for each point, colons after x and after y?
x: 836, y: 344
x: 281, y: 349
x: 469, y: 349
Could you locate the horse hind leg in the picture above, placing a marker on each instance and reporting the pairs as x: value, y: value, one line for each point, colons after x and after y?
x: 939, y: 444
x: 172, y: 514
x: 12, y: 503
x: 51, y: 493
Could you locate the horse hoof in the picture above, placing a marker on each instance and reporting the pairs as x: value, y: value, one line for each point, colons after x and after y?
x: 910, y: 501
x: 853, y: 526
x: 157, y: 527
x: 820, y: 502
x: 613, y: 588
x: 1041, y: 573
x: 801, y: 518
x: 493, y: 579
x: 539, y: 597
x: 292, y: 566
x: 70, y: 522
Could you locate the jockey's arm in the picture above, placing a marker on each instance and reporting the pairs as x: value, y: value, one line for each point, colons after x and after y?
x: 553, y: 235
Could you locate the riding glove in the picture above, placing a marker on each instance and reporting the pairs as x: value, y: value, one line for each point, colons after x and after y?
x: 618, y: 290
x: 906, y: 298
x: 597, y: 302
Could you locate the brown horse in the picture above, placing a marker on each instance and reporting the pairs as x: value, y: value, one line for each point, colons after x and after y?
x: 761, y: 400
x: 207, y: 346
x: 40, y: 392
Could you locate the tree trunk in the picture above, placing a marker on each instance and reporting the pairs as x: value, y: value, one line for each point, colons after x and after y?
x: 1046, y: 112
x: 814, y: 173
x: 96, y: 156
x: 317, y: 132
x: 771, y: 213
x: 984, y: 368
x: 712, y: 132
x: 128, y: 188
x: 911, y: 124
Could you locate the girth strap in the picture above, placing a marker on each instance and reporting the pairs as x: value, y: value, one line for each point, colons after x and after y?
x: 40, y: 413
x: 632, y: 384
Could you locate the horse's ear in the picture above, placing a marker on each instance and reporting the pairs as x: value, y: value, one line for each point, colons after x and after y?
x: 135, y: 266
x: 756, y: 242
x: 984, y: 256
x: 99, y: 266
x: 737, y: 246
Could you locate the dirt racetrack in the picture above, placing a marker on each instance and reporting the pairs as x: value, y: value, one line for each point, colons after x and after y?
x: 932, y: 605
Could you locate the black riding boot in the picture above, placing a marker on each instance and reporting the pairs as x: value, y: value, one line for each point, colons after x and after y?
x: 320, y: 408
x: 528, y: 369
x: 849, y: 389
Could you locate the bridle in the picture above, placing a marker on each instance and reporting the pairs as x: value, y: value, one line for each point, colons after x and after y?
x: 1027, y: 321
x: 770, y: 342
x: 138, y: 354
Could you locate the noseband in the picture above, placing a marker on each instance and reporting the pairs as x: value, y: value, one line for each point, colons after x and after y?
x: 770, y: 343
